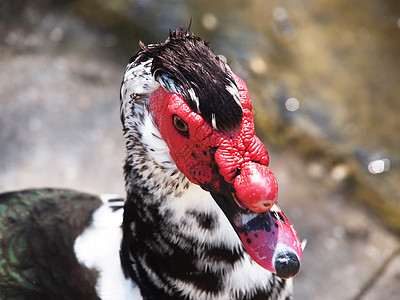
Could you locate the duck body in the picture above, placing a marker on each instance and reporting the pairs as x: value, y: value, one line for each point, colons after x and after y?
x: 199, y: 220
x: 50, y: 249
x: 38, y: 231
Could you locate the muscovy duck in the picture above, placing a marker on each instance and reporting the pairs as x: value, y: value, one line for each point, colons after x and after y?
x: 199, y: 220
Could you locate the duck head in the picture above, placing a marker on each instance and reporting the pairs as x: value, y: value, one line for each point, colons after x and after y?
x: 204, y: 114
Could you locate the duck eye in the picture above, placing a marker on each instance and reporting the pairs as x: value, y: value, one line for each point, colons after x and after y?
x: 180, y: 125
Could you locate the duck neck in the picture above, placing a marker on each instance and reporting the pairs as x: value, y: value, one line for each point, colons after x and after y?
x: 180, y: 245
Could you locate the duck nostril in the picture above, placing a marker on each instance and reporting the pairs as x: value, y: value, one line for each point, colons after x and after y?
x: 267, y: 205
x: 238, y: 171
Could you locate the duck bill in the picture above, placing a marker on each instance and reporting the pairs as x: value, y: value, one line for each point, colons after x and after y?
x: 268, y: 237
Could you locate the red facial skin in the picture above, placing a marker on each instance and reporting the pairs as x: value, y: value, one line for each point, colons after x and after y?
x: 207, y: 155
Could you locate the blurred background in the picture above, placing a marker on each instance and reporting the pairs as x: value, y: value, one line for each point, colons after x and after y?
x: 324, y: 80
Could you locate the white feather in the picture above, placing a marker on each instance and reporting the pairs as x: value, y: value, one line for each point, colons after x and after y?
x: 98, y: 247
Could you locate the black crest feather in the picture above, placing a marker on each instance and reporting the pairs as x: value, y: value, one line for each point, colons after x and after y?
x: 199, y: 76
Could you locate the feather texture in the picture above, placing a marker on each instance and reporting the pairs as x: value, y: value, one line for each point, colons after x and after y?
x: 38, y: 229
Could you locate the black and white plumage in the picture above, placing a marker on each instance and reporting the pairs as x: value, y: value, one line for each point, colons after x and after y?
x: 171, y: 240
